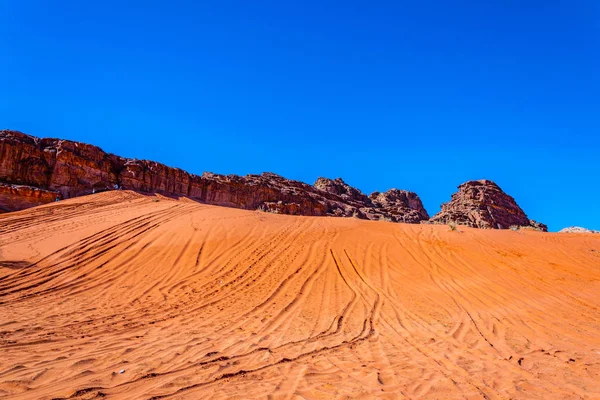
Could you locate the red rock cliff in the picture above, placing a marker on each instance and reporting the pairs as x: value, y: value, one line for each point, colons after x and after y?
x: 72, y: 169
x: 19, y: 197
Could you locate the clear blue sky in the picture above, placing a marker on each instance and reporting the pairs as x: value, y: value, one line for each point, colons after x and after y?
x: 414, y: 95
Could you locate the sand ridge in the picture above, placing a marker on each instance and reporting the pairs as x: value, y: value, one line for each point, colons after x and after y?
x: 196, y: 301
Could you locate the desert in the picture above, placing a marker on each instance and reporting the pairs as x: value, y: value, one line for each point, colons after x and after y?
x: 126, y: 295
x: 299, y: 200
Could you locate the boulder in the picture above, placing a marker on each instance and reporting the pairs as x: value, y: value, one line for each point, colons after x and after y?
x: 577, y: 229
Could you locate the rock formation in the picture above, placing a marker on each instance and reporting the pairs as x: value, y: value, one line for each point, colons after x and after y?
x: 577, y: 229
x: 394, y: 205
x: 19, y: 197
x: 402, y: 205
x: 342, y: 189
x: 482, y: 204
x: 34, y: 171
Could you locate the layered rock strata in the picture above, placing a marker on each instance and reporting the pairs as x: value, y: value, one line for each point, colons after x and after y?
x: 51, y: 167
x: 482, y: 204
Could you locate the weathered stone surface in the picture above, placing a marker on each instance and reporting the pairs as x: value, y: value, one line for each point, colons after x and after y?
x: 20, y: 197
x: 401, y: 205
x: 75, y: 169
x: 482, y: 204
x: 577, y: 229
x: 394, y: 205
x: 70, y: 168
x: 34, y: 170
x: 342, y: 189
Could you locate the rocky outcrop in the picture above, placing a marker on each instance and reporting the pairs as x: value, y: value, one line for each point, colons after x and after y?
x: 394, y: 205
x: 402, y: 205
x: 19, y: 197
x: 35, y: 171
x: 577, y: 229
x: 69, y: 169
x: 342, y: 189
x: 482, y: 204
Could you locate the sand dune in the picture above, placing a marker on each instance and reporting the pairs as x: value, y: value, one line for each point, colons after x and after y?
x: 130, y: 296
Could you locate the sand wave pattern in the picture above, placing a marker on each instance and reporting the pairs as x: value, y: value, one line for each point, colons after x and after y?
x: 121, y: 295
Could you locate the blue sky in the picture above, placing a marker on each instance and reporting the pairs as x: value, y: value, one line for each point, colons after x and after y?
x: 414, y: 95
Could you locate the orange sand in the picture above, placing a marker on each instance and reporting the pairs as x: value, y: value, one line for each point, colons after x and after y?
x: 202, y: 302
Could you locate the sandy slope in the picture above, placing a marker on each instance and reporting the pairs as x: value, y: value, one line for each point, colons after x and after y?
x: 197, y: 302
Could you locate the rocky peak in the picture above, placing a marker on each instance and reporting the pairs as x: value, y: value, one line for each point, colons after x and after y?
x: 401, y: 203
x: 482, y: 204
x: 340, y: 188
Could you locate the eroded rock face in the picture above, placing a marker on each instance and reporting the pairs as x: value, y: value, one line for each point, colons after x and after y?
x: 342, y: 189
x: 20, y: 197
x: 394, y: 205
x: 70, y: 168
x: 402, y: 205
x: 482, y: 204
x: 74, y: 169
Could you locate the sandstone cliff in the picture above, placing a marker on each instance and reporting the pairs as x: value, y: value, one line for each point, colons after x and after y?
x: 482, y: 204
x: 20, y: 197
x: 34, y: 171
